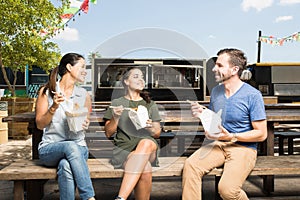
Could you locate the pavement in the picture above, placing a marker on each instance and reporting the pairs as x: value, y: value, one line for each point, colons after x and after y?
x: 286, y: 187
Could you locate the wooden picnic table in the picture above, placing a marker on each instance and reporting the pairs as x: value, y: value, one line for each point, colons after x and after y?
x: 276, y: 113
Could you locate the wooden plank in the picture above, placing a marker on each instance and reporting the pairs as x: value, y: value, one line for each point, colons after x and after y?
x: 169, y: 166
x: 190, y: 128
x: 286, y: 126
x: 182, y: 127
x: 99, y: 168
x: 165, y: 105
x: 277, y: 165
x: 283, y: 115
x: 25, y: 170
x: 270, y: 99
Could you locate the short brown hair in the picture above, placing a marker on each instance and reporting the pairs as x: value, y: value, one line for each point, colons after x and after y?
x: 237, y: 58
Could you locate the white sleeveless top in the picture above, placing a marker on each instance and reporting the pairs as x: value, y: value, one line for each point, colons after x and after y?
x: 58, y: 129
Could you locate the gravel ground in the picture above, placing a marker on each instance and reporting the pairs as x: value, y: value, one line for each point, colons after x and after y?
x: 14, y: 150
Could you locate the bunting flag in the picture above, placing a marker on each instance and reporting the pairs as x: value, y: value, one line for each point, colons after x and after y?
x: 69, y: 13
x: 279, y: 41
x: 76, y: 6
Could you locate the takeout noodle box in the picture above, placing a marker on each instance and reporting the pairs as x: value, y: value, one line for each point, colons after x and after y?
x: 139, y: 117
x: 76, y: 119
x: 211, y: 121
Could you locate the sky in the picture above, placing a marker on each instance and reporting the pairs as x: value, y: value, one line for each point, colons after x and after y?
x: 194, y: 29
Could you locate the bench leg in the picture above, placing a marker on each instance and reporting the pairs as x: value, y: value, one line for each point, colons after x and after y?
x: 281, y: 145
x: 35, y: 189
x: 18, y: 190
x: 217, y: 195
x: 180, y: 145
x: 290, y: 146
x: 165, y: 149
x: 268, y: 184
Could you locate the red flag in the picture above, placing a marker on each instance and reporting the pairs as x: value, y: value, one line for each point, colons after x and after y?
x: 67, y: 16
x: 85, y: 6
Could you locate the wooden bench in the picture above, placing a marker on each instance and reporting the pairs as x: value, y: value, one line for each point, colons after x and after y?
x: 24, y: 171
x: 266, y: 166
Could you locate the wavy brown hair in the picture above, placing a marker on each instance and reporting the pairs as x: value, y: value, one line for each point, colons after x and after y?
x: 144, y: 94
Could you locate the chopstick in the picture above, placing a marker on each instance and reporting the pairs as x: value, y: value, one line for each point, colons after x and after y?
x: 194, y: 102
x: 125, y: 108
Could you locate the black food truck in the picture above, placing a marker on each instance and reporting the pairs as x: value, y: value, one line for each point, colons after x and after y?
x: 166, y: 79
x: 278, y: 79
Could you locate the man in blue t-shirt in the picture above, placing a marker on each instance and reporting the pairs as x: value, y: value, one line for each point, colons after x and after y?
x: 243, y: 125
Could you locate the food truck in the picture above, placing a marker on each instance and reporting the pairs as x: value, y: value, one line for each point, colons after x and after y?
x: 278, y: 79
x: 166, y: 79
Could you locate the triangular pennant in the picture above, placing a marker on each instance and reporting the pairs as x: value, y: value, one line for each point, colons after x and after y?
x: 279, y: 41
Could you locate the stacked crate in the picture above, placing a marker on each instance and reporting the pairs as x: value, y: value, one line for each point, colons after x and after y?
x: 3, y: 125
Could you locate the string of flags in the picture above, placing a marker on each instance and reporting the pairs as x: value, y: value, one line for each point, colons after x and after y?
x: 76, y: 6
x: 69, y: 13
x: 280, y: 41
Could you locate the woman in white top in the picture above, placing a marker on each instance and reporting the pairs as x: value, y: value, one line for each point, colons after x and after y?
x: 60, y: 147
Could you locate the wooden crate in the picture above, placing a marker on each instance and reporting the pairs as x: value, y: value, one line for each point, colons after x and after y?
x: 3, y: 125
x: 18, y: 130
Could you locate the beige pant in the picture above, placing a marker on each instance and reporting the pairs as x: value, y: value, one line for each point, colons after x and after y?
x: 238, y: 162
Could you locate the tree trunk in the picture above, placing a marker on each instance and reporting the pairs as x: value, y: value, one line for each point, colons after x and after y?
x: 10, y: 87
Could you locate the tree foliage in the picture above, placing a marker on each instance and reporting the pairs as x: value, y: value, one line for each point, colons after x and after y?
x: 21, y: 41
x: 93, y: 55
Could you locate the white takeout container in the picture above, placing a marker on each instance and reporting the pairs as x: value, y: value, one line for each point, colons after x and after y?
x: 211, y: 121
x: 139, y: 117
x: 76, y: 118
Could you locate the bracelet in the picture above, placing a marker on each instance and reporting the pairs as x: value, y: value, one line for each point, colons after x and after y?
x: 51, y: 111
x: 119, y: 198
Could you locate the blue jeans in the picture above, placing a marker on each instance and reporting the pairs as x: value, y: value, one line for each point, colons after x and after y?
x: 72, y: 169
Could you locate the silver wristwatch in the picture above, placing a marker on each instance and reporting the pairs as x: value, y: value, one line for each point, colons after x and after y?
x: 234, y: 138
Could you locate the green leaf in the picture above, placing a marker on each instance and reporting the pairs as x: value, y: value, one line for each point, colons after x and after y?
x: 21, y: 43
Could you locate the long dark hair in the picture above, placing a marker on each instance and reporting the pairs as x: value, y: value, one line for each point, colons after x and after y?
x: 61, y: 70
x: 144, y: 94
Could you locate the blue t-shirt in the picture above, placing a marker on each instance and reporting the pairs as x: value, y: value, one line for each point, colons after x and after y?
x: 239, y: 110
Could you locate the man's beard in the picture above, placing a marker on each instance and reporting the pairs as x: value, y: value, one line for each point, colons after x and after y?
x: 223, y: 78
